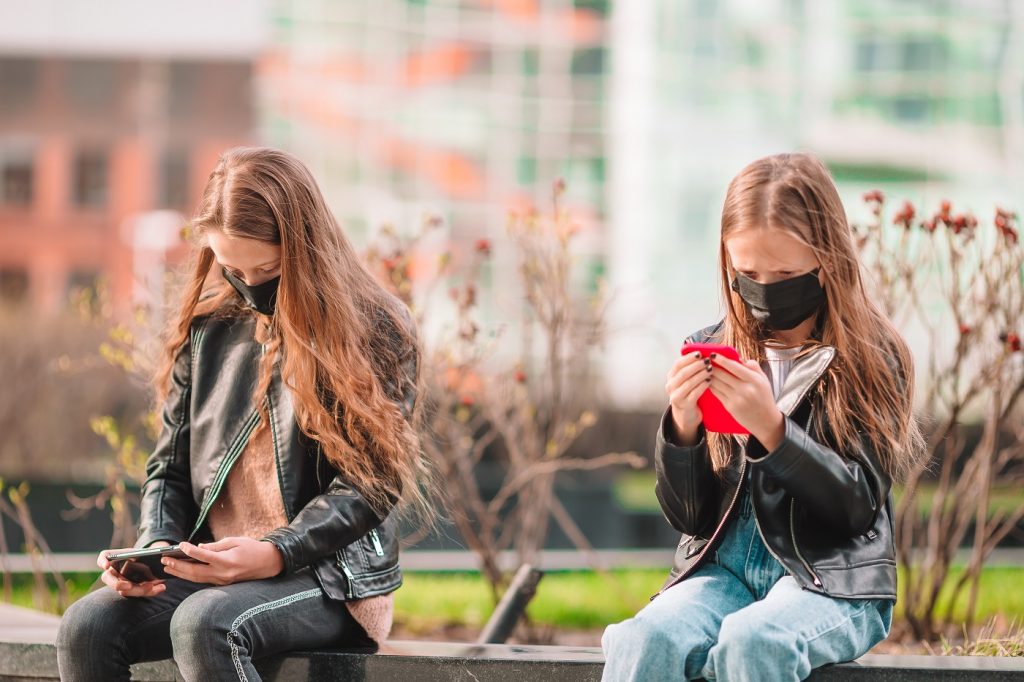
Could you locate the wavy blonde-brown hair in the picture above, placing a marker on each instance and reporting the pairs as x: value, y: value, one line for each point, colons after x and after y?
x: 343, y: 343
x: 869, y: 387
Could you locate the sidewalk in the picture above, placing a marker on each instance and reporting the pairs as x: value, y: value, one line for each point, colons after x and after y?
x: 28, y: 626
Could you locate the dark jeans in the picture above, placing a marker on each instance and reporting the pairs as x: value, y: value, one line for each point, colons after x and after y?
x: 213, y: 633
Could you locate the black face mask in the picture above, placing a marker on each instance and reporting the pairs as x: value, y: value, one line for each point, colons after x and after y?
x: 781, y: 305
x: 262, y: 297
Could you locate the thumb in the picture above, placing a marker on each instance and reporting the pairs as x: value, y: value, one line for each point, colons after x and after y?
x: 219, y: 545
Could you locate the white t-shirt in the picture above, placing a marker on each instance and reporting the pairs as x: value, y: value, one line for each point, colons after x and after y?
x: 780, y: 360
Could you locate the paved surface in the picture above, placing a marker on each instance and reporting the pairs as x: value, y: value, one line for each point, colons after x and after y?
x: 550, y: 560
x: 25, y: 625
x: 26, y: 652
x: 448, y: 661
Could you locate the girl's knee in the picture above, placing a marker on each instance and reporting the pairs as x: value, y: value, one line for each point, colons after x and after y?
x: 199, y: 622
x: 742, y: 632
x: 87, y: 623
x: 92, y: 639
x: 641, y: 636
x: 747, y: 648
x: 647, y: 649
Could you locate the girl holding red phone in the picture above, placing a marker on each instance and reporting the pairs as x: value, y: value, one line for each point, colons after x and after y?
x: 787, y: 560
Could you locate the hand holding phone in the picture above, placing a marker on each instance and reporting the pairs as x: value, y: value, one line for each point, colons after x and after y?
x: 143, y: 565
x: 713, y: 414
x: 113, y: 579
x: 688, y: 378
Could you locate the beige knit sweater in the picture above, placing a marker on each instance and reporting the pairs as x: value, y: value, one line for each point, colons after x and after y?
x: 250, y: 505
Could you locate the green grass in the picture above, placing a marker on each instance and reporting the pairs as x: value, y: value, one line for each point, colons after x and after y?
x: 634, y: 491
x: 1000, y: 498
x: 1000, y: 593
x: 590, y: 600
x: 574, y: 599
x: 577, y: 599
x: 78, y: 585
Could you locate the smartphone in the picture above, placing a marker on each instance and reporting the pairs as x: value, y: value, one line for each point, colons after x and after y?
x: 143, y: 565
x: 715, y: 417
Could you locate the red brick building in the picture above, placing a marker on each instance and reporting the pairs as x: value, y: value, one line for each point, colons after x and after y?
x: 90, y: 143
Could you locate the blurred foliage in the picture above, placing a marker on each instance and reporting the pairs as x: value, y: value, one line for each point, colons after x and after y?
x: 960, y: 279
x: 58, y: 376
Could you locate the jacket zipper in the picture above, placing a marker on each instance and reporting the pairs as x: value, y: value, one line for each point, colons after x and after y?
x: 376, y: 542
x: 792, y: 520
x: 718, y: 529
x: 277, y: 454
x: 348, y: 575
x: 764, y: 541
x: 225, y: 467
x: 792, y: 533
x: 319, y: 483
x: 792, y: 528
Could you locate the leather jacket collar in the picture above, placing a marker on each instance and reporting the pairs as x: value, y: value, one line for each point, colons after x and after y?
x: 807, y: 369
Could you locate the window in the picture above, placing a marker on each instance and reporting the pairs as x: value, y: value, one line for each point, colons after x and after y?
x: 531, y: 61
x: 92, y: 84
x: 910, y: 108
x: 588, y: 61
x: 83, y: 279
x: 16, y: 177
x: 83, y: 290
x: 599, y: 6
x: 90, y: 179
x: 526, y: 170
x: 867, y: 54
x: 183, y: 88
x: 13, y: 285
x: 173, y: 189
x: 923, y: 54
x: 17, y: 83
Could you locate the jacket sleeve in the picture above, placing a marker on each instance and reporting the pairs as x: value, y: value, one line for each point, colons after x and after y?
x: 845, y: 490
x: 686, y: 487
x: 341, y: 514
x: 167, y: 505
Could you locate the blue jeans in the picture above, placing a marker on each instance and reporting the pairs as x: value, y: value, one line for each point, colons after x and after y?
x: 741, y: 617
x: 213, y: 633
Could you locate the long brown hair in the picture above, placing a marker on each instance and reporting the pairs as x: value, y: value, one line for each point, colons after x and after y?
x: 869, y: 387
x: 341, y: 340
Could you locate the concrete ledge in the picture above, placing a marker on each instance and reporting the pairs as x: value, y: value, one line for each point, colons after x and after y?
x: 27, y: 654
x: 446, y: 661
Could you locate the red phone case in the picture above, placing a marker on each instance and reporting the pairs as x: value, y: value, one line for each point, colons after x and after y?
x: 716, y: 417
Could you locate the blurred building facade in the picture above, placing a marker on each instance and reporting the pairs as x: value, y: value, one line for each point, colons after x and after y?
x: 922, y: 99
x: 109, y: 126
x: 467, y: 108
x: 463, y: 110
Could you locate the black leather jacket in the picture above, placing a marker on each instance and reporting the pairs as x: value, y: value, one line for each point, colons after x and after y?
x: 823, y: 510
x: 207, y: 421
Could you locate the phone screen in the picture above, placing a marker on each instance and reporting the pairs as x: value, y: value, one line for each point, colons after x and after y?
x: 143, y: 565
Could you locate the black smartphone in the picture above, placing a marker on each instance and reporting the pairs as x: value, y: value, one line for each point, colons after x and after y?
x: 143, y: 565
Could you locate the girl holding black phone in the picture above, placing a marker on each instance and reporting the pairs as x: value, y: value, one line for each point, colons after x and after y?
x: 288, y: 386
x: 787, y: 559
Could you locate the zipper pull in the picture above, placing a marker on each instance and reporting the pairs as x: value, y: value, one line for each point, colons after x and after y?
x: 376, y: 542
x: 348, y: 574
